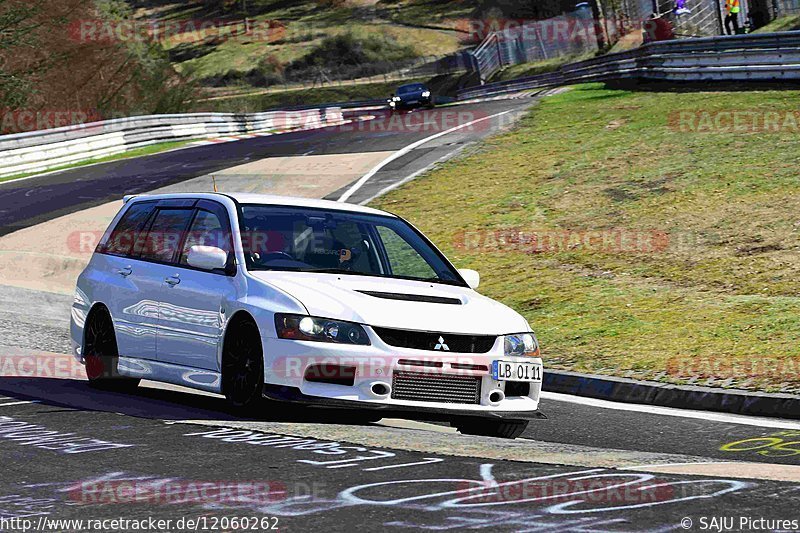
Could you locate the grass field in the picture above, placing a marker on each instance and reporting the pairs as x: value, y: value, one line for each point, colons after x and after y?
x: 524, y: 70
x: 787, y: 23
x: 429, y: 28
x: 634, y: 247
x: 319, y: 95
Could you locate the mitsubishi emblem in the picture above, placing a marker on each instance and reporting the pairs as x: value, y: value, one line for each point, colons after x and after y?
x: 441, y: 345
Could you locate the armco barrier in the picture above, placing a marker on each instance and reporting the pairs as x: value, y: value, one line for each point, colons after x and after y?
x: 42, y: 150
x: 754, y: 57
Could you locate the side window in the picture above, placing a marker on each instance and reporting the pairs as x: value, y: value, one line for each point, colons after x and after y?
x: 128, y: 229
x: 354, y: 248
x: 206, y: 230
x: 403, y: 259
x: 164, y: 235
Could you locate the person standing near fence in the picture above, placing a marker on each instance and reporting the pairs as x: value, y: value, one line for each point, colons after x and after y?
x: 732, y: 17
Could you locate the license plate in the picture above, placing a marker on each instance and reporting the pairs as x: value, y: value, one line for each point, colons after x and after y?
x: 412, y: 102
x: 513, y: 371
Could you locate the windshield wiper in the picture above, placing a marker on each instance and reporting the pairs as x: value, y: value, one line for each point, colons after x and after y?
x: 334, y: 271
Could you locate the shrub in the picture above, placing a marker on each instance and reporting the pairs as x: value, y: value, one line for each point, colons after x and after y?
x: 349, y: 55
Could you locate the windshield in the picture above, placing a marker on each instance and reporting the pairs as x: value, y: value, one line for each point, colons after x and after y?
x: 415, y: 88
x: 318, y: 240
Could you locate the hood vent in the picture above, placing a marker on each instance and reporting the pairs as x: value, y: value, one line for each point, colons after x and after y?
x: 413, y: 297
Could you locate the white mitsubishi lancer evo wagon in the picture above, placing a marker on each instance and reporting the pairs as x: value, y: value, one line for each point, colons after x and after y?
x: 304, y: 301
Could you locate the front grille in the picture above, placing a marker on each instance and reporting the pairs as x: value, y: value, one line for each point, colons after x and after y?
x: 427, y: 340
x: 413, y: 362
x: 429, y: 387
x: 467, y: 366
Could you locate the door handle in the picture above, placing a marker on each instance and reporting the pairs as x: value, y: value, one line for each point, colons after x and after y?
x: 125, y: 272
x: 173, y: 280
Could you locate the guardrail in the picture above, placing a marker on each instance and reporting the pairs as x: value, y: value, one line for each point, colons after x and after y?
x: 38, y: 151
x: 753, y: 57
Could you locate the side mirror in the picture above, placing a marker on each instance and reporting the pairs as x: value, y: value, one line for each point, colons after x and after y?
x: 207, y: 257
x: 472, y: 277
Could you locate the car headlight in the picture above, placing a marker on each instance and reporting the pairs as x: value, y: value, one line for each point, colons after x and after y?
x: 309, y: 328
x: 426, y: 94
x: 522, y: 345
x: 395, y: 98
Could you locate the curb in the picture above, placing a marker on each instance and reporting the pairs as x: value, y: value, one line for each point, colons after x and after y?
x: 699, y: 398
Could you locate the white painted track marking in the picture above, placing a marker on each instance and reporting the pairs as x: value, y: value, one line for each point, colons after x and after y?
x: 410, y: 177
x: 671, y: 411
x: 403, y: 151
x: 18, y: 403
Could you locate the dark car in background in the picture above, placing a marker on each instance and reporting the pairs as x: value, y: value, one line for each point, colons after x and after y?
x: 411, y: 96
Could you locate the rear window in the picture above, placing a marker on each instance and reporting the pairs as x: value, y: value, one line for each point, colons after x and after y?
x: 405, y: 89
x: 128, y: 229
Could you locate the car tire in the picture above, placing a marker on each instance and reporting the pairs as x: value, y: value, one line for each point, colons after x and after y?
x: 243, y: 367
x: 504, y: 429
x: 101, y: 356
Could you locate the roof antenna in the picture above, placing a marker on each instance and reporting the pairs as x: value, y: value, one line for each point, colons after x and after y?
x: 214, y: 182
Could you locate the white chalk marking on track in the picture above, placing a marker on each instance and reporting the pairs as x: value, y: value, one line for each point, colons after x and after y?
x: 487, y: 476
x: 403, y: 151
x: 671, y: 411
x: 18, y: 403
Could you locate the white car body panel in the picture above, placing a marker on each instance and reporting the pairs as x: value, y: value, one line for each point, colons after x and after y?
x: 174, y: 332
x: 334, y: 296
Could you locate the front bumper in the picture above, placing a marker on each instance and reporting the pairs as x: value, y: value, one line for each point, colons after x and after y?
x: 411, y: 104
x: 288, y: 363
x: 433, y: 412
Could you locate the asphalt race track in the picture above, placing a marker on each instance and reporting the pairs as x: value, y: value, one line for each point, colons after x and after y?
x: 33, y: 200
x: 70, y: 452
x: 152, y: 466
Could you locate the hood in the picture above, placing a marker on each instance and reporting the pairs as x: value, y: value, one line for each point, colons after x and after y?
x: 410, y: 96
x: 451, y: 309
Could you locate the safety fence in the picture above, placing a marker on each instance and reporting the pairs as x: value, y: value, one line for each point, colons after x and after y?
x: 753, y: 57
x: 535, y: 40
